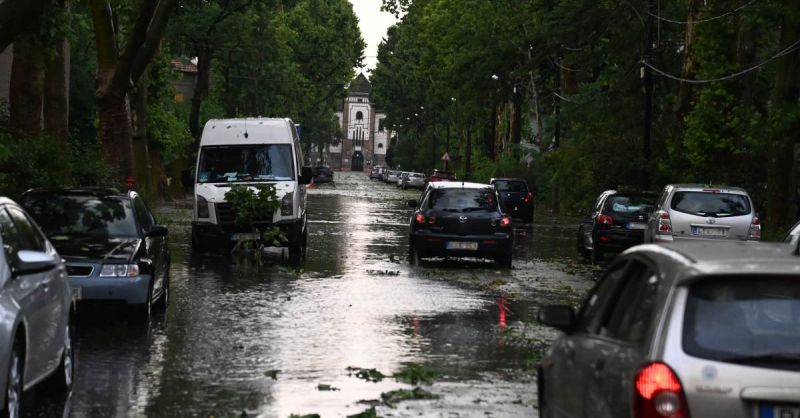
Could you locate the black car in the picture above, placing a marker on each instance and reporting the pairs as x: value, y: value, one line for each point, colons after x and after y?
x: 114, y: 249
x: 516, y: 197
x: 461, y: 220
x: 322, y: 174
x: 616, y: 222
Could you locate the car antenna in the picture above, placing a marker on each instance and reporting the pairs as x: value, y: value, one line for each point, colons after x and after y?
x: 245, y: 128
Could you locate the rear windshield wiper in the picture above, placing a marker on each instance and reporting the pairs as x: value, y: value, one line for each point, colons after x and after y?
x: 451, y: 210
x: 473, y: 209
x: 767, y: 357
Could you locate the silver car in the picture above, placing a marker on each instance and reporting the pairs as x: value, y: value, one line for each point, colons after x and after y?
x: 414, y: 180
x: 401, y: 178
x: 689, y: 329
x: 35, y: 310
x: 391, y: 176
x: 702, y: 212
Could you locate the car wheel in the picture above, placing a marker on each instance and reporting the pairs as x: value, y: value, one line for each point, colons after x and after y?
x: 597, y: 255
x: 13, y: 405
x: 62, y: 379
x: 413, y: 256
x: 503, y: 262
x: 163, y: 301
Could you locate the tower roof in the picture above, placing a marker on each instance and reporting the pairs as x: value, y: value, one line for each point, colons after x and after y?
x: 359, y: 86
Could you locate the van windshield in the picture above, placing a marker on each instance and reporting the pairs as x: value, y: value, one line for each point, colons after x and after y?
x: 242, y: 163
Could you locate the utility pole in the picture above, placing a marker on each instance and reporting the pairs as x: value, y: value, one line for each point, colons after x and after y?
x: 647, y: 78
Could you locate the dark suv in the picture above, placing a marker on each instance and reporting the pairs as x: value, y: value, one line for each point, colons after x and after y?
x: 462, y: 220
x: 616, y: 222
x: 114, y: 249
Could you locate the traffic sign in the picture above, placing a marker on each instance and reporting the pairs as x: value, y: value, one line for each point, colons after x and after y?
x: 446, y: 157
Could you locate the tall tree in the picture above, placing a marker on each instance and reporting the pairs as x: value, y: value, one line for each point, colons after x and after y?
x: 18, y: 16
x: 119, y: 70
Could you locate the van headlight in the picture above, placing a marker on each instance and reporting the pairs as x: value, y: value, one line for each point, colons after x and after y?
x: 119, y: 270
x: 202, y: 207
x: 287, y: 204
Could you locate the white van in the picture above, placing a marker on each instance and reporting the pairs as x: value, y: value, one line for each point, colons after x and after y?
x: 249, y: 152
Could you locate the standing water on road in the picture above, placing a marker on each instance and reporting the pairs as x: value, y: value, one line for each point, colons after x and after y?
x: 246, y: 340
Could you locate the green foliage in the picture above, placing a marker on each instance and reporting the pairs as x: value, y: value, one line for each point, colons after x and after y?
x: 415, y: 374
x: 253, y: 206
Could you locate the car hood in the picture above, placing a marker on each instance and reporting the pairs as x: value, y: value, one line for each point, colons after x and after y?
x: 122, y: 249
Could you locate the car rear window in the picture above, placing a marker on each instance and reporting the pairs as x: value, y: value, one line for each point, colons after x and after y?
x: 711, y: 204
x: 752, y: 321
x: 463, y: 200
x: 630, y: 203
x: 511, y: 186
x: 63, y: 217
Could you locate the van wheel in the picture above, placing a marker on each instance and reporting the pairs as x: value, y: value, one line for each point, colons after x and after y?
x: 13, y: 404
x: 197, y: 244
x: 297, y: 251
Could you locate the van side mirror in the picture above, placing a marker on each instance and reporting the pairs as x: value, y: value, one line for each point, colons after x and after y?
x: 306, y: 174
x: 558, y: 316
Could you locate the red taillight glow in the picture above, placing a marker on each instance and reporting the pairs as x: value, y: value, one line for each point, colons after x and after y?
x: 605, y: 220
x: 505, y: 222
x: 431, y: 220
x: 528, y: 199
x: 659, y: 393
x: 419, y: 218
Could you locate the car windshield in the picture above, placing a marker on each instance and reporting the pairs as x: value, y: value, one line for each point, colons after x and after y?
x: 463, y: 200
x: 711, y: 204
x: 630, y: 203
x: 229, y: 164
x: 64, y: 217
x: 750, y: 321
x: 511, y: 186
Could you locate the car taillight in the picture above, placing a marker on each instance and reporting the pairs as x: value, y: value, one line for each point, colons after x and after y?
x: 528, y: 199
x: 755, y: 229
x: 419, y: 218
x: 605, y: 220
x: 664, y: 223
x: 505, y: 222
x: 658, y: 393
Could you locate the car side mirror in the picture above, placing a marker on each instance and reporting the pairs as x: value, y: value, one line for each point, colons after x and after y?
x: 157, y: 231
x: 412, y: 203
x: 558, y: 316
x: 31, y: 262
x: 306, y: 174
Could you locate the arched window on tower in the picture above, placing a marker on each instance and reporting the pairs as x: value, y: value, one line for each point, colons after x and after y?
x: 359, y: 115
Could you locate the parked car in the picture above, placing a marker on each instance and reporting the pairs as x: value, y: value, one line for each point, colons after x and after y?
x: 688, y: 329
x: 375, y: 172
x: 249, y: 151
x: 391, y: 176
x: 516, y: 197
x: 322, y: 174
x: 703, y: 212
x: 36, y: 311
x: 401, y: 178
x: 415, y: 181
x: 615, y: 223
x: 115, y: 250
x: 461, y: 220
x: 794, y: 234
x: 382, y: 173
x: 439, y: 175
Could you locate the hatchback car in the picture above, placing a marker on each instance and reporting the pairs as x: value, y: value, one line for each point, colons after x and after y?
x: 516, y: 197
x: 461, y: 220
x: 616, y: 222
x: 688, y: 329
x: 322, y: 174
x: 439, y: 175
x: 414, y: 181
x: 36, y: 311
x: 391, y: 176
x: 375, y: 172
x: 115, y: 250
x: 702, y: 212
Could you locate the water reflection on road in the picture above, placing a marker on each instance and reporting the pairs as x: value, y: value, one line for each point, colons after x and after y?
x: 260, y: 340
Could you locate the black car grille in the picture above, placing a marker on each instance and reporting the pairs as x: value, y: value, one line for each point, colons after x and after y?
x: 81, y: 271
x: 225, y: 214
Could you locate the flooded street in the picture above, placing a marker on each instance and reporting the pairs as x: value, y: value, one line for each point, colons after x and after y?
x: 240, y: 339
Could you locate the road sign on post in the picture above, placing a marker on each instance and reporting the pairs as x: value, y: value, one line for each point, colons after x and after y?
x: 445, y: 158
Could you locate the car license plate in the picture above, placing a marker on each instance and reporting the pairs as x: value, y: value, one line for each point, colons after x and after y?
x: 245, y: 236
x: 635, y: 225
x: 775, y: 411
x: 462, y: 245
x: 709, y: 232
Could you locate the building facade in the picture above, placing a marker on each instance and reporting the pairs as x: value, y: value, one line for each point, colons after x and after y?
x: 364, y: 137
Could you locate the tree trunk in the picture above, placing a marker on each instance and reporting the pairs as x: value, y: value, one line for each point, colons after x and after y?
x: 18, y: 16
x: 689, y: 71
x: 785, y: 94
x: 113, y: 112
x: 145, y: 182
x: 26, y: 92
x: 200, y: 91
x: 490, y: 135
x: 516, y: 123
x: 468, y: 163
x: 56, y: 92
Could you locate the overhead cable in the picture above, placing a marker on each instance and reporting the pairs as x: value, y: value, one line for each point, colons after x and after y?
x: 709, y: 19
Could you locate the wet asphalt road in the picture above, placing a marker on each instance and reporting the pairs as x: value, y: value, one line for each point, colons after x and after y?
x: 241, y: 338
